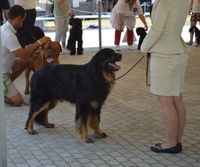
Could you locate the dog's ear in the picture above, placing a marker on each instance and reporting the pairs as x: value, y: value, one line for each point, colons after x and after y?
x: 71, y: 21
x: 59, y: 46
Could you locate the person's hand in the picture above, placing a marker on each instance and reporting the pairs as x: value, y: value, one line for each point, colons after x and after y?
x: 71, y: 14
x: 45, y: 40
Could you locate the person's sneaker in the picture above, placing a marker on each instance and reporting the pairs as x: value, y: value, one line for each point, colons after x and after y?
x: 130, y: 47
x: 117, y: 48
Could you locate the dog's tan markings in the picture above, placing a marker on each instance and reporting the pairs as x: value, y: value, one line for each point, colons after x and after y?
x: 95, y: 126
x: 109, y: 77
x: 83, y: 131
x: 84, y: 135
x: 94, y: 104
x: 78, y: 126
x: 46, y: 121
x: 31, y: 122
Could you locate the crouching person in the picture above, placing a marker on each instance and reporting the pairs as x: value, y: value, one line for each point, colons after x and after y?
x: 13, y: 57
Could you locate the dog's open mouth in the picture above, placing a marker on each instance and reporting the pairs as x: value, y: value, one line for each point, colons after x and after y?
x: 113, y: 66
x: 50, y: 60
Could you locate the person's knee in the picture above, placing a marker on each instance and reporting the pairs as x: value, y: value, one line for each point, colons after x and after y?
x: 16, y: 100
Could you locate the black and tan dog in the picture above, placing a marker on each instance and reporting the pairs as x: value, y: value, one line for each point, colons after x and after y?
x: 75, y: 35
x: 87, y: 86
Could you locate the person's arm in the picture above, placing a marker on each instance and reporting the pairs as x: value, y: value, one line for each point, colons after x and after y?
x: 143, y: 19
x: 157, y: 27
x: 191, y: 4
x: 141, y: 15
x: 24, y: 53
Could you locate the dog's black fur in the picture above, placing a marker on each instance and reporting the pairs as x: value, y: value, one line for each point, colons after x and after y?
x: 38, y: 32
x: 76, y: 34
x: 87, y: 86
x: 196, y: 31
x: 142, y: 33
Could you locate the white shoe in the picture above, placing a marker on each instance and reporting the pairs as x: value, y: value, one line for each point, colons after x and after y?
x: 117, y: 48
x: 130, y: 47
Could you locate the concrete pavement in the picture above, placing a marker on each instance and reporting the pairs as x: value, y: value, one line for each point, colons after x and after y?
x: 131, y: 118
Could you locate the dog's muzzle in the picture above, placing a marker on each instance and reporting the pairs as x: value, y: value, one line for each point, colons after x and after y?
x: 112, y: 65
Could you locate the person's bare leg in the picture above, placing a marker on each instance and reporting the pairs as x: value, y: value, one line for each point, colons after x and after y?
x: 18, y: 68
x: 181, y: 110
x: 170, y: 118
x: 15, y: 100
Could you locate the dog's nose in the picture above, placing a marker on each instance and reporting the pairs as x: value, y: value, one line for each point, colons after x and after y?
x: 118, y: 56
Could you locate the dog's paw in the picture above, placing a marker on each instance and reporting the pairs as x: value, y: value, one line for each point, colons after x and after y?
x: 103, y: 135
x: 100, y: 135
x: 31, y: 131
x: 89, y: 140
x: 72, y: 53
x: 50, y: 125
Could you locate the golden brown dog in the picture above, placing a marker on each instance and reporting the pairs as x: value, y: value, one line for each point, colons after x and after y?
x: 44, y: 55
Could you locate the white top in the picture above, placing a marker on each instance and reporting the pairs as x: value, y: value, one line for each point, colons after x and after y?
x: 168, y: 19
x: 123, y: 8
x: 196, y: 6
x: 9, y: 43
x: 26, y: 4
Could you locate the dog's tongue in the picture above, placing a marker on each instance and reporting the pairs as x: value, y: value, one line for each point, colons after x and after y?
x: 49, y: 60
x: 115, y: 66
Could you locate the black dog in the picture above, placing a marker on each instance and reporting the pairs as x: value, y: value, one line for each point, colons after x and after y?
x: 196, y: 31
x: 86, y: 85
x: 76, y: 33
x: 38, y: 32
x: 142, y: 33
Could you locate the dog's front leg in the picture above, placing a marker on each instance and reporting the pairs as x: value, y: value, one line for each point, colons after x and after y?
x: 94, y: 124
x: 27, y: 74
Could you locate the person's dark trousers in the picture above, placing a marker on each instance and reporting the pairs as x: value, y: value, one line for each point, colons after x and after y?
x: 25, y: 34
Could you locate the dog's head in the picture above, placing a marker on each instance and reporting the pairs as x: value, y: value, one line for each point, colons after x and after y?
x: 140, y: 31
x: 75, y: 22
x: 104, y: 64
x: 52, y: 53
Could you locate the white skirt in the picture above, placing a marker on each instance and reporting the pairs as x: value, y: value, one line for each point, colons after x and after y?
x: 167, y: 74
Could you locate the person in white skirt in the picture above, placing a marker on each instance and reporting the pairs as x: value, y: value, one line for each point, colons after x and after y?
x: 195, y: 17
x: 168, y: 63
x: 123, y: 14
